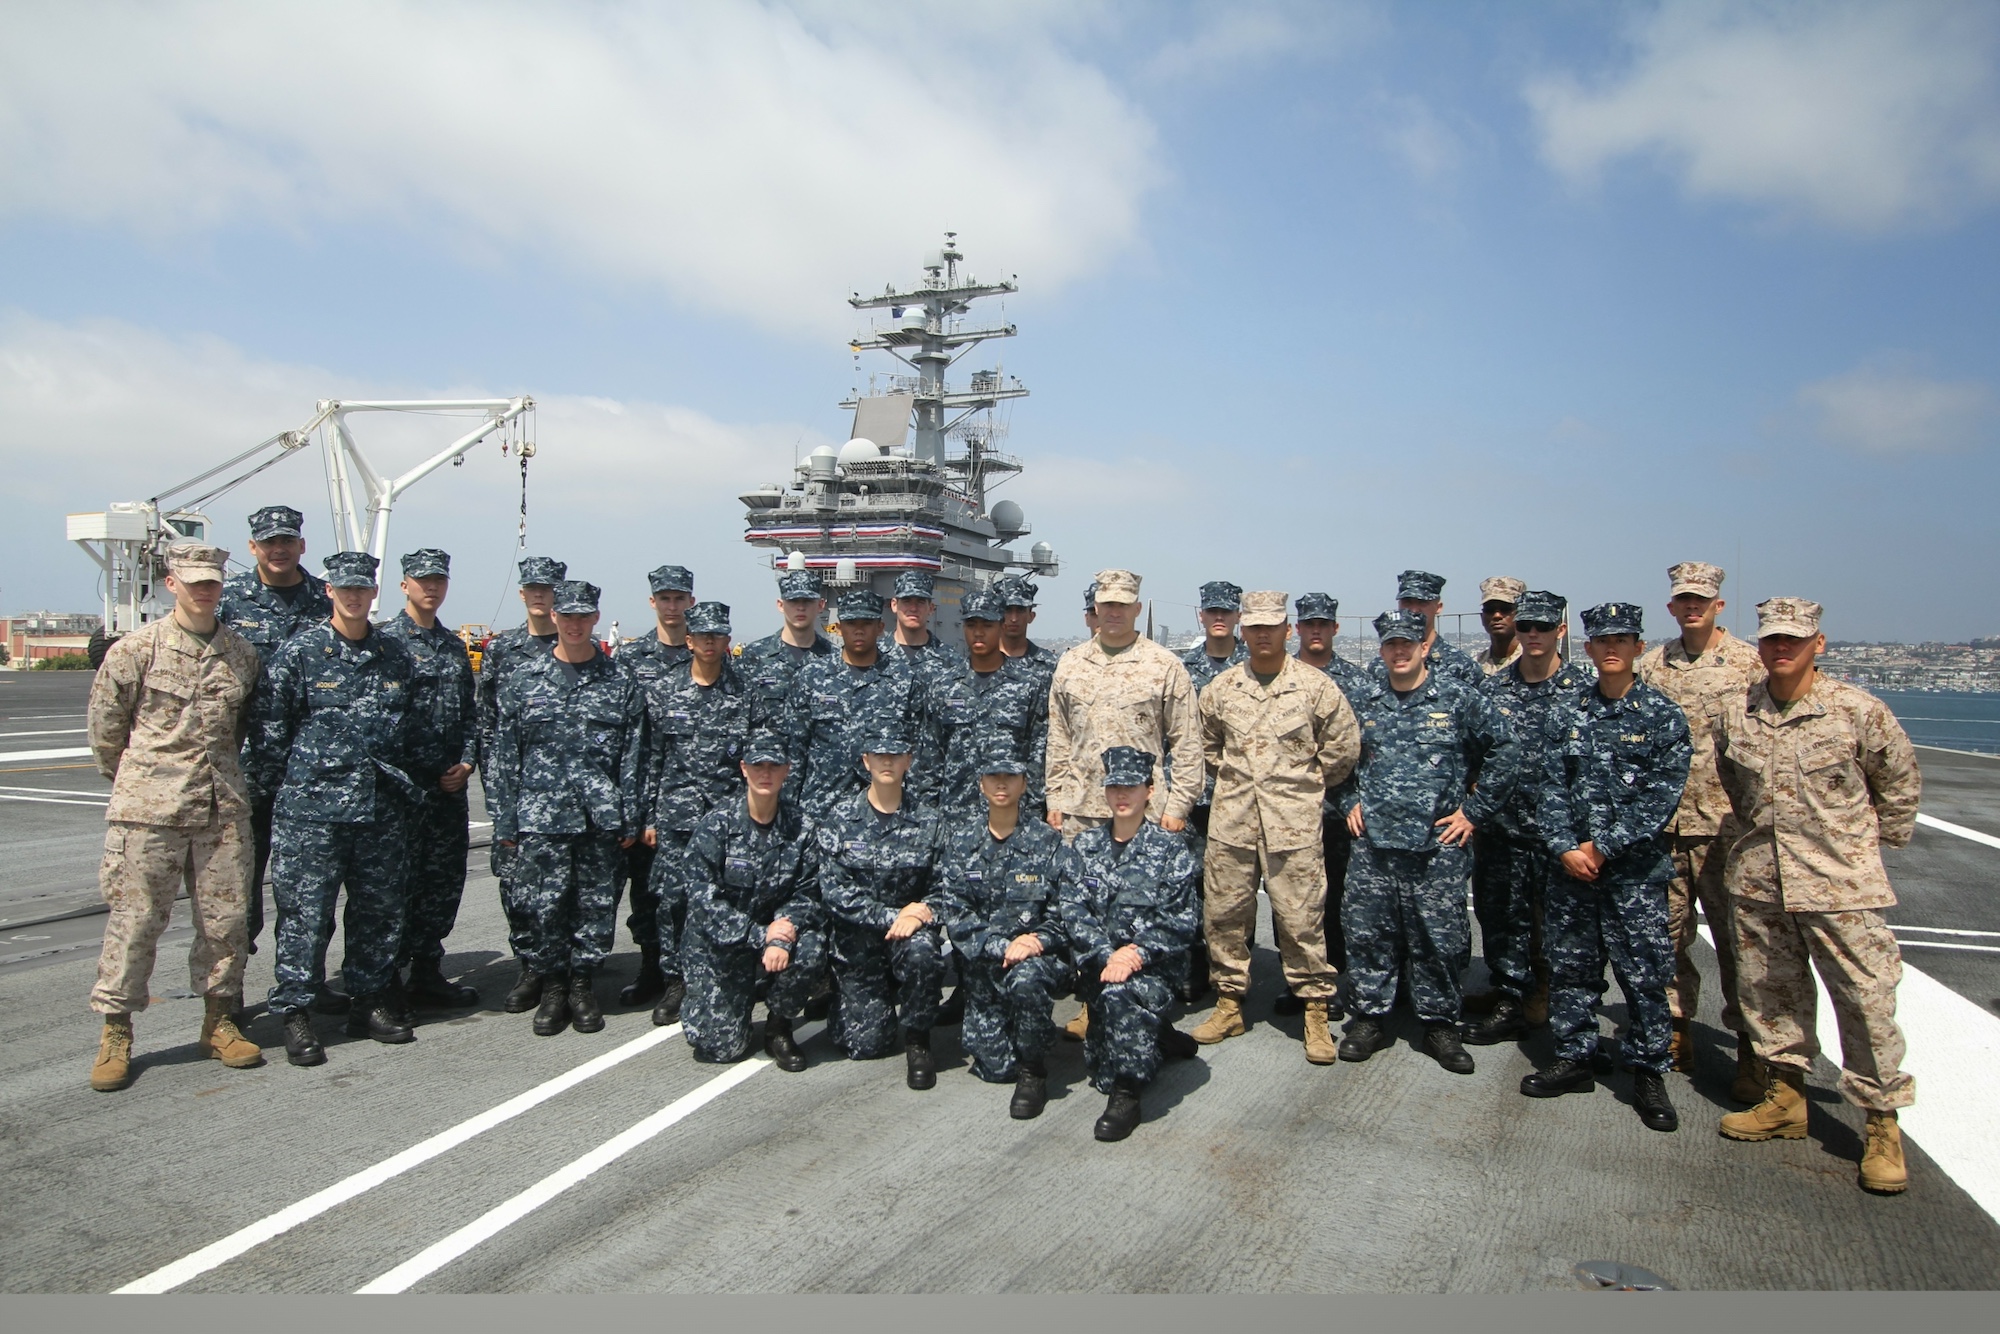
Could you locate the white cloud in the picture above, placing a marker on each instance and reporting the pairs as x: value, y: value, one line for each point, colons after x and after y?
x: 746, y: 157
x: 1882, y: 409
x: 101, y: 411
x: 1429, y: 147
x: 1229, y: 38
x: 1867, y: 117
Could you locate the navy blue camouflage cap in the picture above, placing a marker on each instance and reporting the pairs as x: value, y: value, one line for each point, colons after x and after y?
x: 708, y: 618
x: 799, y: 586
x: 1017, y: 590
x: 671, y: 579
x: 884, y: 736
x: 1127, y: 766
x: 351, y: 569
x: 1401, y: 625
x: 1221, y: 595
x: 425, y: 562
x: 276, y: 521
x: 985, y: 605
x: 1538, y: 606
x: 1611, y: 618
x: 1090, y: 596
x: 575, y: 597
x: 765, y: 747
x: 537, y: 571
x: 915, y: 584
x: 1318, y: 607
x: 1419, y: 586
x: 998, y: 752
x: 859, y: 604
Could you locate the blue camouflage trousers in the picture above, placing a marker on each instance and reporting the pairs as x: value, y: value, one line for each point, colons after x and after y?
x: 667, y: 890
x: 723, y: 982
x: 311, y: 861
x: 879, y: 983
x: 1007, y: 1012
x: 1628, y: 923
x: 520, y: 922
x: 635, y: 869
x: 1405, y: 912
x: 434, y: 873
x: 1509, y: 883
x: 1125, y: 1019
x: 565, y: 884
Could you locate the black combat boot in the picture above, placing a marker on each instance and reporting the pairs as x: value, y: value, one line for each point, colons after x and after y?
x: 1287, y: 1005
x: 1505, y: 1022
x: 398, y: 1000
x: 1031, y: 1091
x: 651, y: 983
x: 1121, y: 1113
x: 1442, y: 1044
x: 1363, y: 1038
x: 527, y: 992
x: 1565, y: 1076
x: 329, y: 1001
x: 669, y: 1008
x: 428, y: 988
x: 1176, y: 1045
x: 1649, y: 1099
x: 917, y: 1052
x: 553, y: 1016
x: 374, y: 1016
x: 301, y: 1043
x: 584, y: 1015
x: 778, y: 1044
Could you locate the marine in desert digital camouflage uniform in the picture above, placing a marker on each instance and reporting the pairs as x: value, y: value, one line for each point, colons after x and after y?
x: 1820, y: 777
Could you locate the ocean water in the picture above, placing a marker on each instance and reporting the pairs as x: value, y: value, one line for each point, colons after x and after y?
x: 1953, y: 719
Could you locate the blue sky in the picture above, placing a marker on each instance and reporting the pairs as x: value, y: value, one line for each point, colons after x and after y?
x: 1309, y: 293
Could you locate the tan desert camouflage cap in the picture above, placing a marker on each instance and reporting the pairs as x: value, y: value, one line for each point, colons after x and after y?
x: 1788, y: 616
x: 1264, y: 608
x: 1697, y: 577
x: 1501, y: 588
x: 1117, y: 586
x: 196, y: 562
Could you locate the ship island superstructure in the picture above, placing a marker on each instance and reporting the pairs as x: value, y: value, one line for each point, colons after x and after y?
x: 908, y: 491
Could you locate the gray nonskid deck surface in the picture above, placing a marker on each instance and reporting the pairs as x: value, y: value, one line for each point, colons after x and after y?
x: 1253, y: 1172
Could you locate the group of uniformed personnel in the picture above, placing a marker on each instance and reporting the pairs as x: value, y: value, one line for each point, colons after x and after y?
x: 849, y: 825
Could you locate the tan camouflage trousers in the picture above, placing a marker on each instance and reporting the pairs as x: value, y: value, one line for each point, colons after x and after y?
x: 1698, y: 864
x: 1074, y: 824
x: 1858, y: 960
x: 1296, y: 884
x: 146, y: 866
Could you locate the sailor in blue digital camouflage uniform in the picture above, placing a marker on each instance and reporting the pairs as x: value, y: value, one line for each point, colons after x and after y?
x: 1421, y: 592
x: 1511, y: 865
x: 331, y: 735
x: 754, y: 920
x: 446, y: 749
x: 1318, y: 616
x: 1221, y: 648
x: 650, y: 657
x: 834, y: 698
x: 914, y: 648
x: 1614, y: 772
x: 984, y: 692
x: 566, y: 794
x: 1126, y: 893
x: 1411, y: 806
x: 504, y: 652
x: 268, y: 605
x: 697, y: 721
x: 996, y: 898
x: 769, y: 664
x: 1018, y: 593
x: 877, y: 854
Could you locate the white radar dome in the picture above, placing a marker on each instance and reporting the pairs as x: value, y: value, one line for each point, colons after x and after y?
x: 858, y: 450
x: 1008, y: 519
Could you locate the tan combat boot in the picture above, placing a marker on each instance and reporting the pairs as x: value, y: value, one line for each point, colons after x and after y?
x: 113, y: 1070
x: 1319, y: 1043
x: 1076, y: 1029
x: 1683, y: 1046
x: 1781, y: 1115
x: 1750, y: 1074
x: 222, y: 1039
x: 1882, y: 1169
x: 1226, y: 1022
x: 1535, y: 1005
